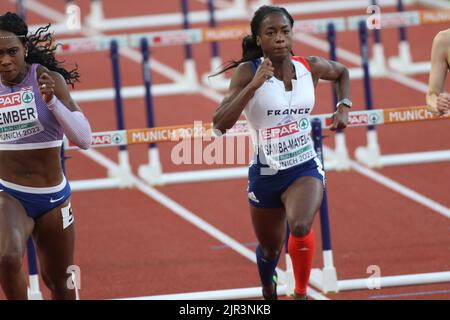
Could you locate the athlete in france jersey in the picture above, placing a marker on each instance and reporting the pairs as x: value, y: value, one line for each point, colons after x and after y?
x: 279, y: 119
x: 277, y: 98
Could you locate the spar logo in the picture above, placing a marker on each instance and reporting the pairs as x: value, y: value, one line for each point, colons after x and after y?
x: 280, y: 131
x: 358, y: 120
x: 304, y: 124
x: 27, y: 96
x: 106, y: 139
x: 10, y: 100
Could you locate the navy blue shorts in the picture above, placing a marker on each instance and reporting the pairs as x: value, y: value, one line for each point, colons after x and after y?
x: 38, y: 201
x: 265, y: 188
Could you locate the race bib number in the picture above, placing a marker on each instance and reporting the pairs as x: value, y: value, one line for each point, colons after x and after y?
x: 287, y: 145
x: 18, y: 116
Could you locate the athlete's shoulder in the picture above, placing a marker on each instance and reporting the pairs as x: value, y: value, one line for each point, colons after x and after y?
x: 251, y: 65
x: 304, y: 61
x: 40, y: 69
x: 243, y: 74
x: 443, y: 37
x: 55, y: 75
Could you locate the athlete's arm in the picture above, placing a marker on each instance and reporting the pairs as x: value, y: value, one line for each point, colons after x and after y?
x: 52, y: 87
x: 242, y: 88
x: 333, y: 71
x: 437, y: 99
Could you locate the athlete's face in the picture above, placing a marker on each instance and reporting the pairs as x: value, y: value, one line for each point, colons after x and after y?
x: 12, y: 57
x: 275, y: 36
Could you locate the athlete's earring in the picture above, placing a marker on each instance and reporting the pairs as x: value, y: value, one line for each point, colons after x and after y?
x: 26, y: 54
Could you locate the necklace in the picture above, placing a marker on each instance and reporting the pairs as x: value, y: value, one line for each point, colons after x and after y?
x: 290, y: 97
x: 292, y: 89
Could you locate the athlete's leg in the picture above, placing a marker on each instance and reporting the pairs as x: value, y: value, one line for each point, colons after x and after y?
x: 302, y: 200
x: 15, y: 229
x: 270, y: 230
x: 55, y: 242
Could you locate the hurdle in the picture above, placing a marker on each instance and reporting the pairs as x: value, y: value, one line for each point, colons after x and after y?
x: 20, y: 9
x: 370, y: 155
x: 339, y: 157
x: 122, y: 174
x: 219, y: 82
x: 33, y: 290
x: 328, y: 273
x: 325, y: 278
x: 152, y: 171
x: 372, y: 151
x: 403, y: 62
x: 378, y: 64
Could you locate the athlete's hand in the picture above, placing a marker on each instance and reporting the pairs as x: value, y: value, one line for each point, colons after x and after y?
x: 46, y: 87
x: 264, y: 73
x: 339, y: 119
x: 442, y: 104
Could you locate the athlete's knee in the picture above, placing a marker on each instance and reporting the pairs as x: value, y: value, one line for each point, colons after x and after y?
x: 270, y: 253
x: 55, y: 283
x: 10, y: 262
x: 300, y: 228
x: 46, y: 279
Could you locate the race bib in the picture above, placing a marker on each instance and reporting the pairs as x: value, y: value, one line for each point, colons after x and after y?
x: 18, y: 115
x: 287, y: 145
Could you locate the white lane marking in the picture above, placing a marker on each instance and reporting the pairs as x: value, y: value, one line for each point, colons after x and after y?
x: 403, y: 190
